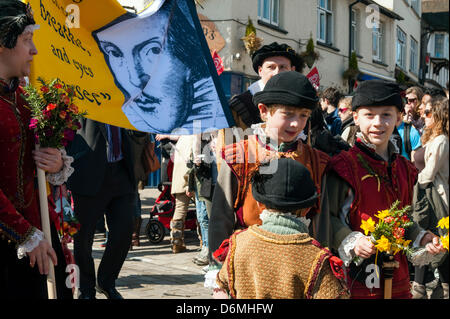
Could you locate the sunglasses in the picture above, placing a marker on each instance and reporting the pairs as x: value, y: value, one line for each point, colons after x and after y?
x: 411, y: 100
x: 343, y: 110
x: 428, y: 113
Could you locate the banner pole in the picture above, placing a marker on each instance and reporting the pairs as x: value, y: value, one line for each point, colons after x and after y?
x: 45, y: 221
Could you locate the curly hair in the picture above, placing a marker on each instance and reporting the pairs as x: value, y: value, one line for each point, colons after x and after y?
x: 439, y: 110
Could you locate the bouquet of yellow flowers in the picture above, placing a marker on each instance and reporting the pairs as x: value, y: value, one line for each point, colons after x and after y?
x: 443, y: 224
x: 388, y: 233
x: 55, y: 118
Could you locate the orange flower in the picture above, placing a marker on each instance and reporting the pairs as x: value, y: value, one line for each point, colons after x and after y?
x: 51, y: 106
x: 62, y: 114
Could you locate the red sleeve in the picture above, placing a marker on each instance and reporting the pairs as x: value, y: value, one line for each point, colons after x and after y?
x: 12, y: 224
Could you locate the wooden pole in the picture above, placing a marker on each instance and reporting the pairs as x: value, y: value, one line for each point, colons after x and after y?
x: 45, y: 221
x: 389, y: 265
x: 388, y: 288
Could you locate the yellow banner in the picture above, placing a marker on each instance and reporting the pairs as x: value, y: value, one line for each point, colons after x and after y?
x: 76, y: 43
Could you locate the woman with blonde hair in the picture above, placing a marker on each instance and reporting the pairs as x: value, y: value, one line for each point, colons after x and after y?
x: 431, y: 195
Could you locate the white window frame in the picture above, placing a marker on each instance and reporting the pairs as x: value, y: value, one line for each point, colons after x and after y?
x: 273, y: 9
x: 377, y: 37
x: 400, y: 58
x: 414, y: 56
x: 325, y: 10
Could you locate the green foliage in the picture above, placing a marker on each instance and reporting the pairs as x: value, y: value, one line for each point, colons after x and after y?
x: 250, y: 28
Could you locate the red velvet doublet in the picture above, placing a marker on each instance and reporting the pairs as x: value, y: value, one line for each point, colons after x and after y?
x: 19, y: 198
x: 374, y: 191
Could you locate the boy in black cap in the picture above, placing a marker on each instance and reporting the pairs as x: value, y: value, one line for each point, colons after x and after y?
x: 267, y: 61
x: 24, y: 252
x: 365, y: 180
x: 279, y: 255
x: 285, y: 105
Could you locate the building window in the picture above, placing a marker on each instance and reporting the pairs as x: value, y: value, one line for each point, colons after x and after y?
x: 439, y: 40
x: 354, y: 31
x: 324, y: 21
x: 401, y: 48
x: 415, y: 4
x: 269, y: 11
x: 414, y: 52
x: 377, y: 42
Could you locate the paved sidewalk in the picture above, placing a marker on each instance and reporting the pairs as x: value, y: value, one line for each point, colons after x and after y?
x: 153, y: 271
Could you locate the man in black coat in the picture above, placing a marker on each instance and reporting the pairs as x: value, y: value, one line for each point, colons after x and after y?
x: 103, y: 183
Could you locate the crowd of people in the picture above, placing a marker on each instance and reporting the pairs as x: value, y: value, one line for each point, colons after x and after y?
x: 280, y: 197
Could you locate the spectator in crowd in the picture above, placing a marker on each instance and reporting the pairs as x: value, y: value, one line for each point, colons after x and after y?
x: 432, y: 191
x: 413, y: 97
x: 410, y: 139
x: 180, y: 189
x: 103, y: 183
x: 329, y: 100
x: 348, y: 129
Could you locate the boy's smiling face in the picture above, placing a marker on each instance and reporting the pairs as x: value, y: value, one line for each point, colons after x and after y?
x: 284, y: 123
x: 377, y: 123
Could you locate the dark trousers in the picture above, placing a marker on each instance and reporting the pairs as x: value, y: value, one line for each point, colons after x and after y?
x: 19, y: 281
x: 117, y: 198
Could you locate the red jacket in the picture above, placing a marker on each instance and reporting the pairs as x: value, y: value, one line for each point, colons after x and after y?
x: 373, y: 194
x: 19, y: 197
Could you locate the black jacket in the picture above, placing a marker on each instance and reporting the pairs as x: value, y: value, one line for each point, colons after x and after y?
x: 89, y: 150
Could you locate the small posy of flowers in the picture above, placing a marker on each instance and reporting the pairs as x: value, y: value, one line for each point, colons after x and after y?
x: 389, y: 231
x: 443, y: 224
x: 69, y: 229
x: 55, y: 117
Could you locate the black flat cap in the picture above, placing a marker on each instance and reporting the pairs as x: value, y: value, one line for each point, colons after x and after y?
x: 275, y: 49
x: 288, y: 189
x: 377, y: 93
x: 288, y: 88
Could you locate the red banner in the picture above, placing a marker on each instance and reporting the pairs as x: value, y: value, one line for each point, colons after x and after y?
x: 314, y: 78
x: 218, y: 62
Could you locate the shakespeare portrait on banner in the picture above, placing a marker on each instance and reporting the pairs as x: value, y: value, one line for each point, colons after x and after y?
x: 159, y: 65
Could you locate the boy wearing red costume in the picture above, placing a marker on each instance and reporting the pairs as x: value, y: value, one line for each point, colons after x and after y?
x: 285, y: 105
x: 369, y: 178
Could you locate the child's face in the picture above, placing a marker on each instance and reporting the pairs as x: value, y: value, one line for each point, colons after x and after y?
x: 284, y: 123
x: 377, y: 123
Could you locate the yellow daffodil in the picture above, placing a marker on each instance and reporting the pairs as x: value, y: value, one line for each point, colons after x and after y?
x: 406, y: 243
x: 368, y: 226
x: 384, y: 213
x: 383, y: 244
x: 444, y: 241
x: 443, y: 223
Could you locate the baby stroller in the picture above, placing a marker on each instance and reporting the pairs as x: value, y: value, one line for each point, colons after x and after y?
x: 162, y: 213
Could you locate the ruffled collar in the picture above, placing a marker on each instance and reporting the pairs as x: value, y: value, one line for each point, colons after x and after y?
x: 369, y: 148
x: 283, y: 223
